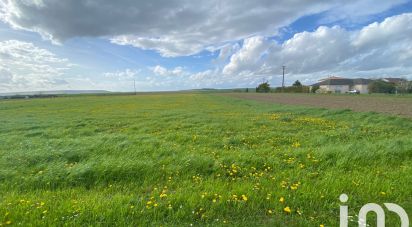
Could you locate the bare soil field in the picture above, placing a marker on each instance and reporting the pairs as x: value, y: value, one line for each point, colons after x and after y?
x: 394, y: 105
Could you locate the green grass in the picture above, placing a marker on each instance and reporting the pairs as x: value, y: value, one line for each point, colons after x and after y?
x: 181, y: 159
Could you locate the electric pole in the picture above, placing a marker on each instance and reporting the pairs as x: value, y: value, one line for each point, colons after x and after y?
x: 134, y: 85
x: 283, y: 77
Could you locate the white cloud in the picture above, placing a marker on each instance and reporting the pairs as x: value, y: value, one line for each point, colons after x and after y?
x: 354, y: 12
x: 159, y: 70
x: 248, y: 56
x: 167, y: 47
x: 24, y: 66
x: 226, y: 51
x: 127, y: 74
x: 182, y: 27
x: 6, y: 78
x: 380, y: 47
x: 308, y: 52
x: 172, y: 27
x: 391, y: 30
x: 308, y: 57
x: 157, y: 78
x: 162, y: 71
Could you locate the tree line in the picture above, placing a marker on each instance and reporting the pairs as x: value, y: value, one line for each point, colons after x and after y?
x: 377, y: 86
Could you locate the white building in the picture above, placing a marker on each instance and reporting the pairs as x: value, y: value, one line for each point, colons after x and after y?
x: 343, y: 85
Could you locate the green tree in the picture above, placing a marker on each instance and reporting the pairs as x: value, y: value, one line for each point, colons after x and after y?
x: 315, y: 88
x: 297, y: 84
x: 263, y: 87
x: 380, y: 86
x: 404, y: 87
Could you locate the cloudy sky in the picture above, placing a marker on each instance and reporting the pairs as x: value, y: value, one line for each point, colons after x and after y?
x: 184, y: 44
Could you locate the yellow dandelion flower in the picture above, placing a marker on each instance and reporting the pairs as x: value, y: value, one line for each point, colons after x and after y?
x: 155, y: 205
x: 296, y: 144
x: 270, y: 211
x: 163, y: 195
x: 214, y: 200
x: 383, y: 193
x: 321, y: 225
x: 282, y: 200
x: 131, y: 207
x: 287, y: 210
x: 8, y: 222
x: 149, y: 202
x: 244, y: 197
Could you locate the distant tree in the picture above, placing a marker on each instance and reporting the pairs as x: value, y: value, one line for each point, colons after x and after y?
x: 409, y: 87
x: 404, y: 87
x: 247, y: 90
x: 293, y: 89
x: 380, y: 86
x: 263, y: 87
x: 315, y: 88
x: 297, y: 84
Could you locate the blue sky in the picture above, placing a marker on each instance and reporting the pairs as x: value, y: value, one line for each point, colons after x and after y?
x: 47, y: 45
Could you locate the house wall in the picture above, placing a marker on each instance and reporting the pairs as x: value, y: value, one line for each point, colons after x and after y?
x: 335, y: 88
x: 362, y: 88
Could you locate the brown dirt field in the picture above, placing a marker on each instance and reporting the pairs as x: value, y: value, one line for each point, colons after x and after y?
x: 393, y: 105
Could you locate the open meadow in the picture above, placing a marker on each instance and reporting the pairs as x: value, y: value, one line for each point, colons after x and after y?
x: 183, y: 159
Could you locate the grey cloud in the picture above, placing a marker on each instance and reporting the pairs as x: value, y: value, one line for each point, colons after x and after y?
x: 313, y: 55
x: 171, y: 27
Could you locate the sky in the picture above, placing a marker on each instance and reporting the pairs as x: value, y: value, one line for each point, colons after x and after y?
x: 166, y: 45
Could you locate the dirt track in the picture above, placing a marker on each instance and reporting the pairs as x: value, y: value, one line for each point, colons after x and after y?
x: 401, y: 106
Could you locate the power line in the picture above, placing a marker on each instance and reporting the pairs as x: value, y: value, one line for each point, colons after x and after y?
x: 283, y: 77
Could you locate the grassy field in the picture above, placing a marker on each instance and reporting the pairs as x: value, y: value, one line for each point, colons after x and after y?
x: 196, y: 159
x: 396, y: 105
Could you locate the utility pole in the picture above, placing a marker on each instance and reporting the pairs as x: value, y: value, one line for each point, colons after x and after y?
x: 134, y: 85
x: 283, y: 78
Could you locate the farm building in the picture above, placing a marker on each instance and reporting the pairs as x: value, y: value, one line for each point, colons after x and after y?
x: 342, y: 85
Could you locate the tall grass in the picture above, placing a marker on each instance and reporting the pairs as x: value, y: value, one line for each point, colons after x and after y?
x: 200, y: 159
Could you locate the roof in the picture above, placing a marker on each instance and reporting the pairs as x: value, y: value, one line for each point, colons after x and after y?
x: 393, y: 80
x: 344, y: 81
x: 361, y: 81
x: 336, y: 82
x: 331, y: 78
